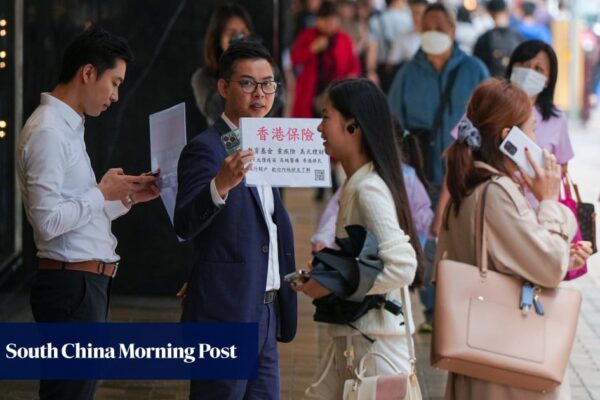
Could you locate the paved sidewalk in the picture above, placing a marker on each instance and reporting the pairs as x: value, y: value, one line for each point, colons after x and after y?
x: 299, y: 359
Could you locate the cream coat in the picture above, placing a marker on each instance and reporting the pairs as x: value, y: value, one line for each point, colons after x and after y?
x: 366, y: 200
x: 520, y: 243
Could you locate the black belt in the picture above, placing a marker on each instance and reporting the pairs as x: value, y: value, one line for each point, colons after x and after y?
x: 270, y: 296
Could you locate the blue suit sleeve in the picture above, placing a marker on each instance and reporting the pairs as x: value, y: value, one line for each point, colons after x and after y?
x: 194, y: 208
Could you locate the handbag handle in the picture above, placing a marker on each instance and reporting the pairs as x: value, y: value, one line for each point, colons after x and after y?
x: 360, y: 373
x: 480, y: 233
x: 566, y: 193
x: 404, y: 295
x: 574, y: 186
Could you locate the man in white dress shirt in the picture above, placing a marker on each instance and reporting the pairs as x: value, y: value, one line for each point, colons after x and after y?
x: 69, y: 211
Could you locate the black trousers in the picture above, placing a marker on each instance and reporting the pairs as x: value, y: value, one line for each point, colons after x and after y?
x: 69, y: 296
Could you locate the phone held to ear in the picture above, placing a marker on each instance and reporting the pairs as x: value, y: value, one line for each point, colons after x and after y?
x: 514, y: 147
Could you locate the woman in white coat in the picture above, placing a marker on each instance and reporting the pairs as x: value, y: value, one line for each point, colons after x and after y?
x: 357, y: 130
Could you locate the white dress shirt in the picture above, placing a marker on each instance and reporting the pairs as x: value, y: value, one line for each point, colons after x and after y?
x: 70, y: 218
x: 265, y: 193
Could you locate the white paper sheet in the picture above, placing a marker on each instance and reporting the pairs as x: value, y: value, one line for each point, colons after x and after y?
x: 167, y: 139
x: 288, y: 152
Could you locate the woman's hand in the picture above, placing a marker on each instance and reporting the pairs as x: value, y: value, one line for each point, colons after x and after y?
x: 579, y: 254
x: 546, y: 184
x: 317, y: 247
x: 312, y: 289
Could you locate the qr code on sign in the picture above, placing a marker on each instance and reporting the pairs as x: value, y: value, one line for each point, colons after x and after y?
x: 319, y: 175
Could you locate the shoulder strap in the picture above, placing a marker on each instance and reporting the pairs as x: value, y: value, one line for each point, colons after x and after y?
x: 480, y: 232
x: 405, y: 295
x: 445, y: 99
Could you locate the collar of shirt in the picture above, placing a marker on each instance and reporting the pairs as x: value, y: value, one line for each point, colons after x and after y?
x: 71, y: 116
x: 230, y: 124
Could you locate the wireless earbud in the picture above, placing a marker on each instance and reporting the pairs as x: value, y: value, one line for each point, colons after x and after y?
x: 351, y: 128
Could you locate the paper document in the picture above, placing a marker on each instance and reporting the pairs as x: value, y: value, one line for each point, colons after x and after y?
x: 167, y: 139
x: 288, y: 152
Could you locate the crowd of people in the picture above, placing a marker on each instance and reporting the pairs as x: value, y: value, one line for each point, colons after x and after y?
x: 409, y: 110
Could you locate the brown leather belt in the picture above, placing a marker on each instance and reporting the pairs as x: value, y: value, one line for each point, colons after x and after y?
x: 95, y: 267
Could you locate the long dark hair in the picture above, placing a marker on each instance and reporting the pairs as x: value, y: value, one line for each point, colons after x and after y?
x: 212, y: 40
x: 410, y: 149
x: 525, y: 52
x: 362, y: 100
x: 496, y: 104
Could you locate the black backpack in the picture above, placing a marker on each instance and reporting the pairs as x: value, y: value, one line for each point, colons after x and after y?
x: 499, y: 46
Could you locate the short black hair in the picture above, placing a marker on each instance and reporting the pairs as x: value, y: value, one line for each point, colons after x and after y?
x: 443, y: 9
x: 97, y: 47
x: 496, y: 6
x: 418, y: 2
x: 528, y: 8
x: 327, y: 9
x: 242, y: 50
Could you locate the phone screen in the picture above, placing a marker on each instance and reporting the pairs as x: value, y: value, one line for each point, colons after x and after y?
x: 514, y: 147
x: 232, y: 141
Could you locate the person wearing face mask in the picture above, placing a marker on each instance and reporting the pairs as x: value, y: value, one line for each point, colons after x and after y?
x: 429, y: 95
x: 228, y: 24
x: 534, y: 67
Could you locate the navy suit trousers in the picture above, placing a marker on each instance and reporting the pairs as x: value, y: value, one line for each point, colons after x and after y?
x: 266, y: 385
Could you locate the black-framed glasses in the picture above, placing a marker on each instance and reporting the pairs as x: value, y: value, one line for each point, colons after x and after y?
x: 250, y: 85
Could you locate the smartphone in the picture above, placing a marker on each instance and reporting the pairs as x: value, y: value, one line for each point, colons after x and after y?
x: 297, y: 277
x: 514, y: 147
x: 232, y: 141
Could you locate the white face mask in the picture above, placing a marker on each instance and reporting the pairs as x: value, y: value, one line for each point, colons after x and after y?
x: 532, y: 82
x: 435, y: 43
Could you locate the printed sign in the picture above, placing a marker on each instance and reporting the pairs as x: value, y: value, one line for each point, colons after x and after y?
x: 288, y: 152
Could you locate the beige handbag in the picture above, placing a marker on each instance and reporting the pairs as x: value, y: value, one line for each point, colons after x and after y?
x: 400, y: 386
x: 481, y: 332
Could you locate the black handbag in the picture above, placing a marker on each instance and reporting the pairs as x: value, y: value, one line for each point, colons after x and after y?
x: 348, y: 273
x: 586, y: 217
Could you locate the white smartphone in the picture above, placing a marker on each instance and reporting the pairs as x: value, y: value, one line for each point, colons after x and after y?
x: 514, y: 147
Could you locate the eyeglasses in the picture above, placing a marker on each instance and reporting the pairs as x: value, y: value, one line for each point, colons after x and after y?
x: 249, y: 86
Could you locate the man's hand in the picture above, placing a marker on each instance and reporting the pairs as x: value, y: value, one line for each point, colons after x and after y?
x: 233, y: 170
x: 182, y: 294
x: 144, y: 191
x: 115, y: 185
x: 319, y: 44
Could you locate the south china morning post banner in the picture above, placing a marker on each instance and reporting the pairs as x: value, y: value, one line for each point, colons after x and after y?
x: 128, y: 351
x: 288, y: 152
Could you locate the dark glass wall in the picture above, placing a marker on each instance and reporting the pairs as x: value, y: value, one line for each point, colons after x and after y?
x: 7, y: 133
x: 166, y: 37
